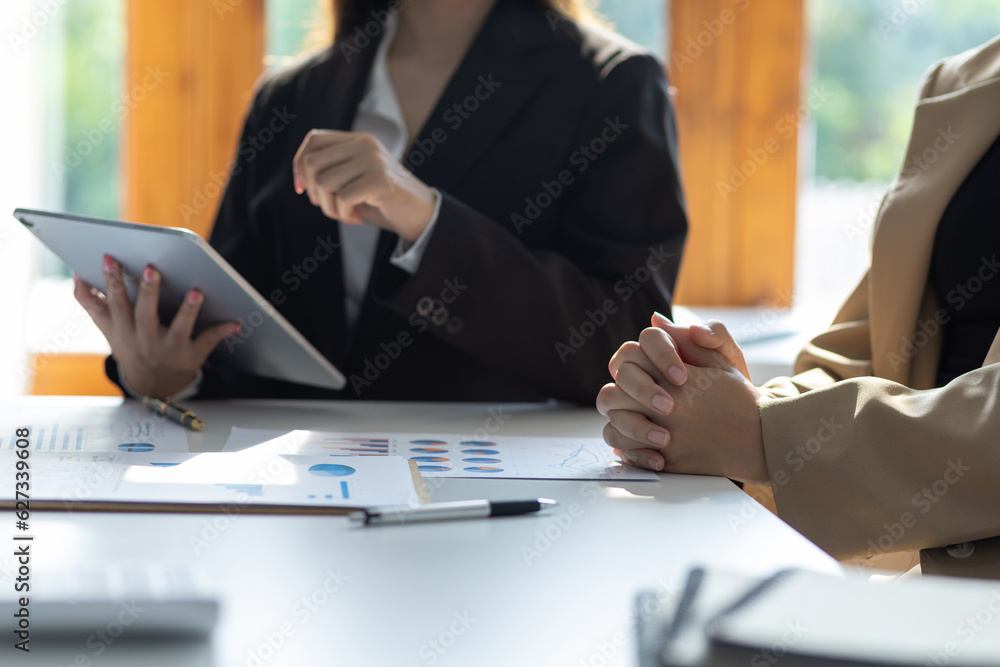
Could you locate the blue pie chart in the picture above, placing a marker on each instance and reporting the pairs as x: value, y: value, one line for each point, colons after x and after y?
x: 331, y: 470
x: 480, y: 452
x: 482, y: 460
x: 434, y: 468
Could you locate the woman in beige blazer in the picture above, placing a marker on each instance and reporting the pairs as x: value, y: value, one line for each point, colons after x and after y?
x: 866, y: 449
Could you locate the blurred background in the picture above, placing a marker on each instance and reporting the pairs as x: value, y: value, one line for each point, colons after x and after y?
x: 130, y: 109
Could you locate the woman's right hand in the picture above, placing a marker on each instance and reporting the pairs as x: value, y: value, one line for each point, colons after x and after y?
x: 155, y: 360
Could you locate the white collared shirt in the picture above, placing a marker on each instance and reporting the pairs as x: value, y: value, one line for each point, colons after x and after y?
x: 379, y: 113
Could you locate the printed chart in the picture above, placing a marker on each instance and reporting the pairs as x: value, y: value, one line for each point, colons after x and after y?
x: 441, y: 455
x: 124, y: 428
x: 252, y: 477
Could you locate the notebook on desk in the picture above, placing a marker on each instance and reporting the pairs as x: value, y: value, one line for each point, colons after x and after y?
x: 803, y: 619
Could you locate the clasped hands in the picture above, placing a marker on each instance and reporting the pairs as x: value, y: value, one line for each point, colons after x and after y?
x: 682, y: 402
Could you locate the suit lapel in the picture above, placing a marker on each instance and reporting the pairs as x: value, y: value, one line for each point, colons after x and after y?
x: 950, y: 135
x: 497, y: 67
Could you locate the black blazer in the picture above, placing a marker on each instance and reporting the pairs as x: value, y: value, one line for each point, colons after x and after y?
x: 560, y: 231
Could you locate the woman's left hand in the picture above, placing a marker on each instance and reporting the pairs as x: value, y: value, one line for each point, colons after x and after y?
x: 353, y: 178
x: 712, y: 425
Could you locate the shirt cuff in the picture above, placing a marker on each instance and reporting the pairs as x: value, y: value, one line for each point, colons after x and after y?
x: 407, y: 255
x: 185, y: 392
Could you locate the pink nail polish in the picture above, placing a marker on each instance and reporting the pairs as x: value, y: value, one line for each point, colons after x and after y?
x: 148, y: 275
x: 194, y: 297
x: 234, y: 329
x: 109, y: 264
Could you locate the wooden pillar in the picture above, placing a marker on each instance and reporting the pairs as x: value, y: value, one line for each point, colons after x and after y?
x: 190, y: 72
x: 737, y: 67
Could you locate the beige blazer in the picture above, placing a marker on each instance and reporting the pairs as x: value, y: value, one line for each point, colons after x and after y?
x: 865, y: 457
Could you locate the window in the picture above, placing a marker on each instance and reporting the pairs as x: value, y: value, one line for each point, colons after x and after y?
x: 292, y: 25
x: 867, y: 60
x: 642, y: 21
x: 63, y: 61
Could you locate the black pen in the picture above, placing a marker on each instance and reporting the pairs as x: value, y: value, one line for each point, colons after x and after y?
x: 462, y: 509
x: 174, y: 413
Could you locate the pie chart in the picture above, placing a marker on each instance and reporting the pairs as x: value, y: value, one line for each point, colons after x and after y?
x: 331, y: 470
x: 434, y: 468
x: 487, y: 469
x: 480, y: 452
x: 482, y: 460
x: 429, y: 459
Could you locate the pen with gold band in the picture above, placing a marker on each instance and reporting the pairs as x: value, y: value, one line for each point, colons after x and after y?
x: 174, y: 413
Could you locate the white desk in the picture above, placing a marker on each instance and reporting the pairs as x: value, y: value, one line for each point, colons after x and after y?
x: 534, y: 590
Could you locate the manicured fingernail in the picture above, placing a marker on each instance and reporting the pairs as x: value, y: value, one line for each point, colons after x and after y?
x: 662, y: 317
x: 707, y: 329
x: 109, y: 264
x: 234, y: 328
x: 663, y: 404
x: 299, y: 186
x: 658, y: 437
x: 148, y: 275
x: 654, y: 464
x: 676, y: 375
x: 194, y: 297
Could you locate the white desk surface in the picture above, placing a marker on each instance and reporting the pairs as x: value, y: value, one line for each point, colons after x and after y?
x: 534, y: 590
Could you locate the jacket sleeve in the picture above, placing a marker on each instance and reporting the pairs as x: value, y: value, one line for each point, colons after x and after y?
x: 620, y: 228
x: 866, y: 466
x: 842, y: 351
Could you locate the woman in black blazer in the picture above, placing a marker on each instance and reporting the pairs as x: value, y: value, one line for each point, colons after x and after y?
x: 547, y: 166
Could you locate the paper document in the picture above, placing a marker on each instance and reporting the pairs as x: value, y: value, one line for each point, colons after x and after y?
x: 128, y: 428
x: 252, y: 479
x: 442, y: 455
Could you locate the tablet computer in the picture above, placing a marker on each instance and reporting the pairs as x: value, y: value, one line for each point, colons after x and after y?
x: 267, y: 345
